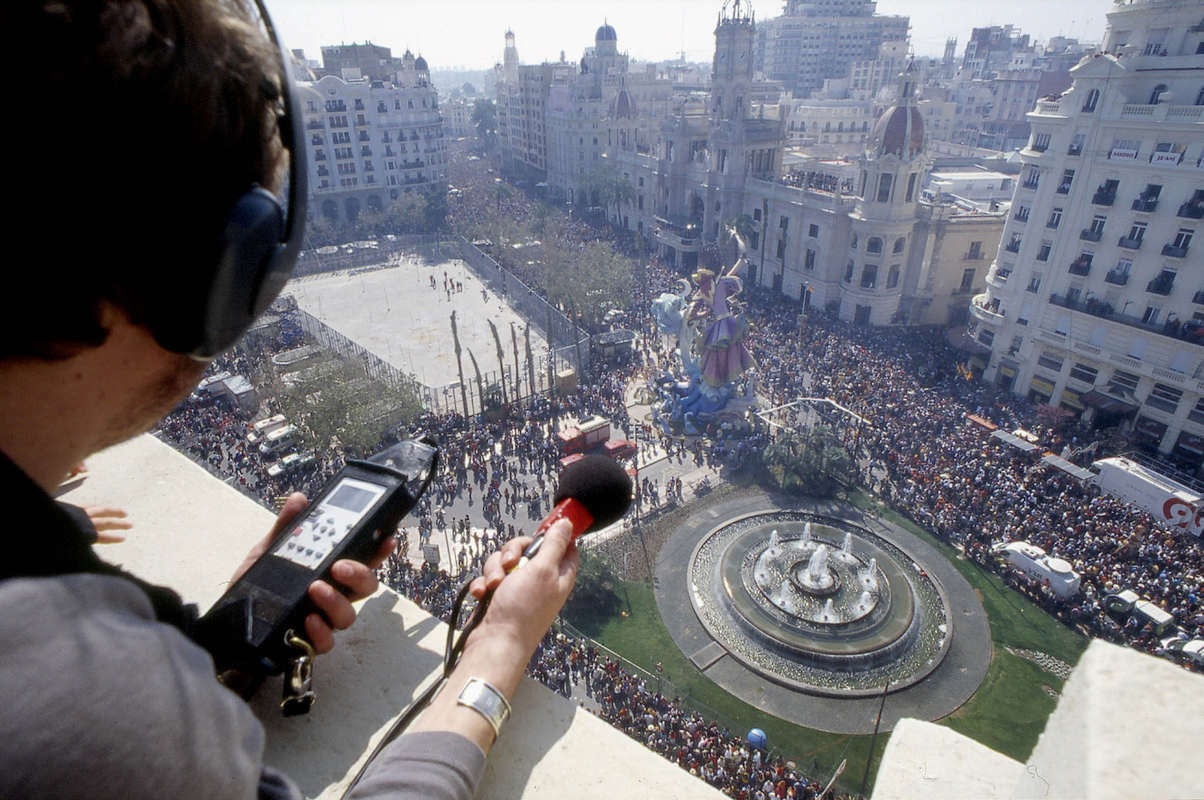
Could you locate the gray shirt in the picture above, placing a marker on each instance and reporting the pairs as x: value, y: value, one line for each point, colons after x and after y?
x: 99, y: 700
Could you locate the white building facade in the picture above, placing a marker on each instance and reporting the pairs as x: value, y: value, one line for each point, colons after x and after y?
x: 370, y: 141
x: 1095, y: 302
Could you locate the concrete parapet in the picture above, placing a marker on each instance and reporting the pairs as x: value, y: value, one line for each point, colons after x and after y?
x: 191, y: 531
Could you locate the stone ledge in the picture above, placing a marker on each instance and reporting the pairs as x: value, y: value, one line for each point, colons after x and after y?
x: 926, y: 761
x: 191, y: 530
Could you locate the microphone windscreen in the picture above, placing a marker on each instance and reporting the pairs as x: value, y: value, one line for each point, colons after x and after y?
x: 601, y: 485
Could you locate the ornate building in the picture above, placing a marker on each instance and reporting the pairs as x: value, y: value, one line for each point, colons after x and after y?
x: 854, y: 237
x: 371, y: 140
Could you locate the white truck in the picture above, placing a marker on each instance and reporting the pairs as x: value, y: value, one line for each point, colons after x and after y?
x: 1056, y: 573
x: 1169, y: 502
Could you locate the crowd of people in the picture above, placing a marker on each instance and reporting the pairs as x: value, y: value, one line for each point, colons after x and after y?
x: 918, y: 452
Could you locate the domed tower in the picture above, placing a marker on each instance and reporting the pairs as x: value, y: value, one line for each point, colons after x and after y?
x: 424, y: 72
x: 732, y: 69
x: 606, y: 41
x: 893, y: 170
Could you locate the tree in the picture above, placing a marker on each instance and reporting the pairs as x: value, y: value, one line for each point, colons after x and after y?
x: 484, y: 117
x: 501, y: 360
x: 812, y: 462
x: 459, y: 364
x: 593, y: 597
x: 468, y: 89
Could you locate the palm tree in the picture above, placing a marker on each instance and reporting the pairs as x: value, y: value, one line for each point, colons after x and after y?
x: 459, y: 364
x: 517, y: 386
x: 501, y: 361
x: 480, y: 383
x: 530, y: 359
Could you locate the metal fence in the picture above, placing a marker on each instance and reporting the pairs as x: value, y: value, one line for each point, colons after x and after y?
x: 813, y: 767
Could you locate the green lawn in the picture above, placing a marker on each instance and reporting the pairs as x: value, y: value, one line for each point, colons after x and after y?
x: 1007, y: 713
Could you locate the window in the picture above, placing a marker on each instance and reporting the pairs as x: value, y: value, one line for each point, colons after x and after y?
x: 813, y: 231
x: 1124, y: 149
x: 783, y: 223
x: 967, y: 280
x: 809, y: 260
x: 900, y: 243
x: 986, y: 336
x: 1040, y: 142
x: 1050, y: 360
x: 1137, y: 232
x: 1150, y: 317
x: 1084, y: 373
x: 975, y: 251
x: 1091, y: 102
x: 1022, y: 213
x: 1034, y: 282
x: 781, y: 249
x: 1183, y: 239
x: 1043, y: 251
x: 892, y: 277
x: 1097, y: 224
x: 848, y: 272
x: 853, y: 242
x: 873, y: 245
x: 1067, y: 179
x: 884, y: 186
x: 911, y: 187
x: 1031, y: 178
x: 756, y: 215
x: 1156, y: 95
x: 869, y: 276
x: 1055, y: 219
x: 1076, y: 144
x: 1165, y: 398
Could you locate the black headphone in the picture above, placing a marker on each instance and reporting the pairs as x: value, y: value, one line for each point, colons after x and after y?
x: 257, y: 250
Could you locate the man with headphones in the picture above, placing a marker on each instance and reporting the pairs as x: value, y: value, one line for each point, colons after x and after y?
x: 152, y: 241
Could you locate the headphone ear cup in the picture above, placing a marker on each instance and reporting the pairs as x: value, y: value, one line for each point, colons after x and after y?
x: 251, y: 271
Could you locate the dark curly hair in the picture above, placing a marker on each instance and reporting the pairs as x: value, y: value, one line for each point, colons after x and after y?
x: 134, y: 126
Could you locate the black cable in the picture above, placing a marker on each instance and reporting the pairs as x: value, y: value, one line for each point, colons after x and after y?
x: 452, y: 651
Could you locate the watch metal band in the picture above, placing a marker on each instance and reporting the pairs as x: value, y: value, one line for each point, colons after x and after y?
x: 485, y: 699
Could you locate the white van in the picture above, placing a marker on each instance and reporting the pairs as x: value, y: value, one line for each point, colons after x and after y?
x: 265, y: 426
x: 278, y: 440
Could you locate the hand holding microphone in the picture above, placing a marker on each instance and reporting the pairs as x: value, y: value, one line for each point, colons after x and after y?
x: 593, y: 493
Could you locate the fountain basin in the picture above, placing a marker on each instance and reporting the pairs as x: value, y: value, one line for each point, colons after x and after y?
x: 822, y: 605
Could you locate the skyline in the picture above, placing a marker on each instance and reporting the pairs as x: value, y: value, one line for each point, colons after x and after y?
x: 649, y: 30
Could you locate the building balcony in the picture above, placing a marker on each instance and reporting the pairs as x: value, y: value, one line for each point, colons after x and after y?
x: 1190, y: 210
x: 315, y: 125
x: 1160, y: 286
x: 1029, y: 185
x: 1089, y: 235
x: 1145, y: 204
x: 1117, y: 278
x: 998, y: 278
x: 1102, y: 198
x: 1074, y: 150
x: 1012, y: 247
x: 1063, y: 188
x: 986, y: 311
x: 1129, y: 244
x: 1187, y: 332
x: 1080, y: 267
x: 1173, y: 251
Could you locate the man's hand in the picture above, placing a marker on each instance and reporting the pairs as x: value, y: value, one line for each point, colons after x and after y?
x: 106, y: 521
x: 357, y: 581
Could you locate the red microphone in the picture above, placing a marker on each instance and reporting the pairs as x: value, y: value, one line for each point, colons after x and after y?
x: 593, y: 493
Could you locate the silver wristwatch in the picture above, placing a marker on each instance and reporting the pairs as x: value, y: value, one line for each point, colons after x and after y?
x: 485, y: 699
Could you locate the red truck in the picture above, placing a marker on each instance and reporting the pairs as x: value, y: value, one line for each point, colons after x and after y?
x: 587, y: 434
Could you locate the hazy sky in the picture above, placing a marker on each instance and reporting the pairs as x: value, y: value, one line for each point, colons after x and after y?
x: 469, y: 33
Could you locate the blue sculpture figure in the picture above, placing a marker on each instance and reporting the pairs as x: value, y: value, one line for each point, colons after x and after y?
x: 709, y: 328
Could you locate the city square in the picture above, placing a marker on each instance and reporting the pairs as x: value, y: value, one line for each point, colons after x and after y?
x: 898, y: 343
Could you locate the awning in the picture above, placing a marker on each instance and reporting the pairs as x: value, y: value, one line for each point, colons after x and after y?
x: 1014, y: 441
x: 1072, y: 398
x: 1191, y: 443
x: 1071, y: 469
x: 1041, y: 385
x: 1108, y: 404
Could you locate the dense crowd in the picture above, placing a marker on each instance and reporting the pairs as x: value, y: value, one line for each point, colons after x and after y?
x: 918, y: 452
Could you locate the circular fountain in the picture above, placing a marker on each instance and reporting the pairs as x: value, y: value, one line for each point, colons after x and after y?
x: 819, y: 604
